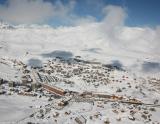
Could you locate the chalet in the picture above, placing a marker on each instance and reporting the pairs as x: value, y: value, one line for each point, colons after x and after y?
x: 26, y: 71
x: 63, y: 103
x: 80, y: 120
x: 26, y: 79
x: 12, y: 84
x: 35, y: 86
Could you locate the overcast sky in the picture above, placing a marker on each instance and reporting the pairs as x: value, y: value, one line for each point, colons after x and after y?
x: 63, y: 12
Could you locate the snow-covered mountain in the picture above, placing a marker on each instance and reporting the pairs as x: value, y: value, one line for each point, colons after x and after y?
x: 116, y: 67
x: 88, y: 41
x: 7, y: 26
x: 4, y: 25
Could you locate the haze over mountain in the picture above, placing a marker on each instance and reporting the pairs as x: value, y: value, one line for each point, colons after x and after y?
x: 29, y: 28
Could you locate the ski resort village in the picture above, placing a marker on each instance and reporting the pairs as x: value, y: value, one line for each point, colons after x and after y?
x: 75, y: 91
x: 79, y: 61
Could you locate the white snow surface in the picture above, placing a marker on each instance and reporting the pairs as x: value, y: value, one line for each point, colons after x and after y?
x: 15, y: 108
x: 86, y: 41
x: 41, y: 44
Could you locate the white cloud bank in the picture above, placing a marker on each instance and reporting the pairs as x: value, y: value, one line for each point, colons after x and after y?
x: 110, y: 31
x: 137, y: 39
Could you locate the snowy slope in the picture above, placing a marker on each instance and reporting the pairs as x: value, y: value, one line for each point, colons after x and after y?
x: 37, y: 44
x: 32, y: 42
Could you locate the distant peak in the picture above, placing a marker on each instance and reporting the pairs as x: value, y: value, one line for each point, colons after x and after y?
x: 5, y: 25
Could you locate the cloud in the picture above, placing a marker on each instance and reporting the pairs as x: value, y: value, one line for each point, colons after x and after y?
x: 110, y: 32
x: 63, y: 11
x: 113, y: 16
x: 40, y: 11
x: 135, y: 39
x: 33, y: 11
